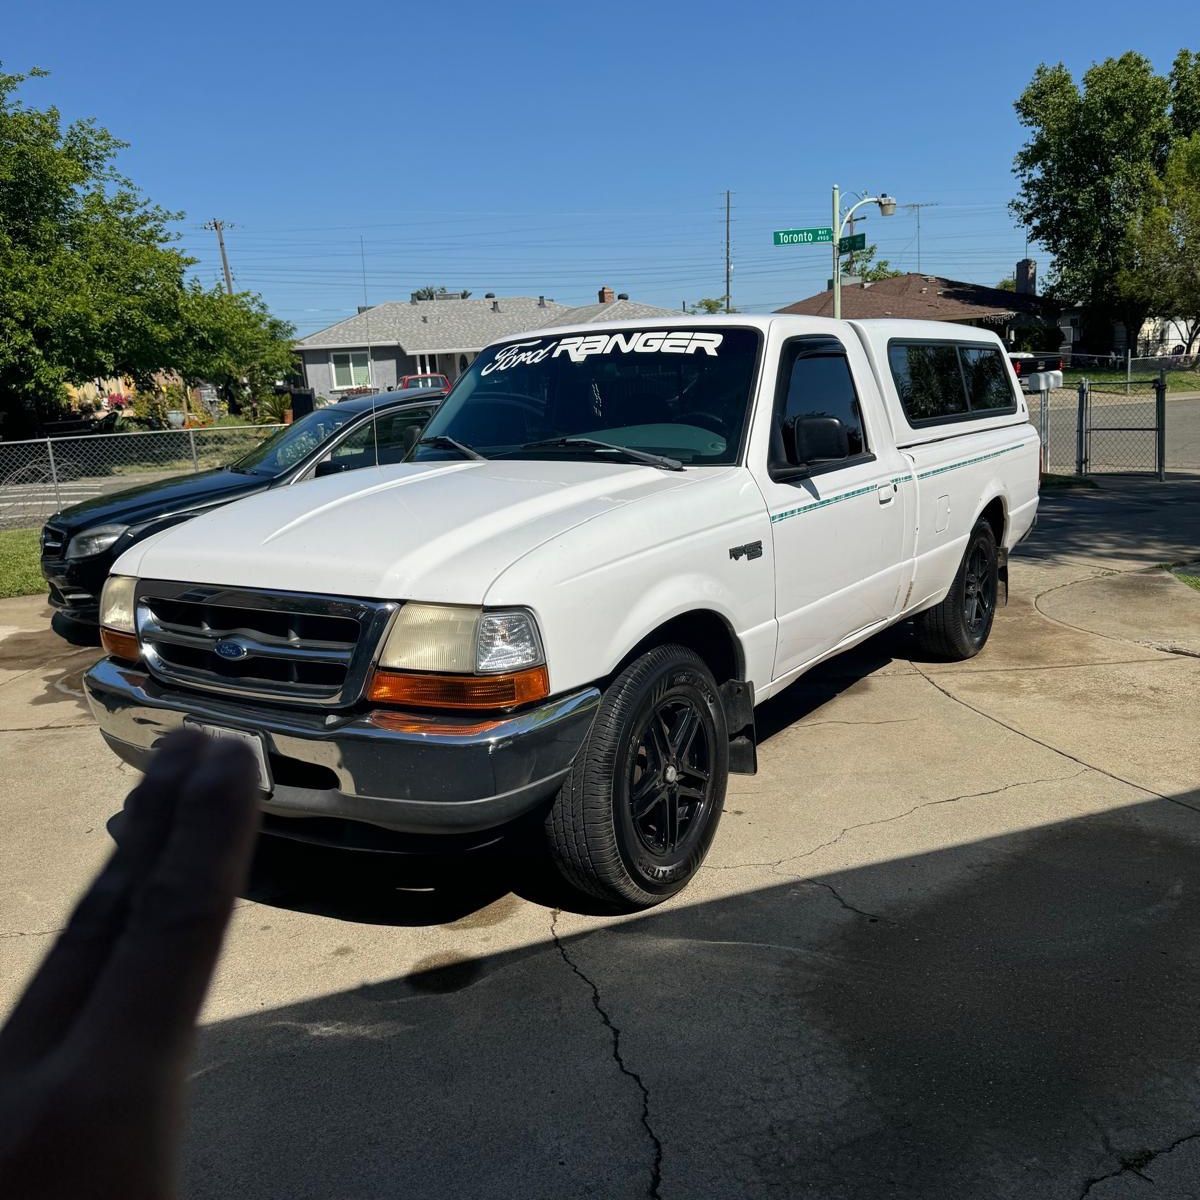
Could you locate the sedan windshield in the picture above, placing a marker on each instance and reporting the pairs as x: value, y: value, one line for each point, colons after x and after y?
x: 292, y: 443
x: 680, y: 393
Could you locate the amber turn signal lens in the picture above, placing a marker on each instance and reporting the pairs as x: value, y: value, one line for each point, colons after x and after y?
x: 119, y: 645
x: 460, y: 691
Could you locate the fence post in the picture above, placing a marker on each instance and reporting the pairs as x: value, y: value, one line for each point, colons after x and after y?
x: 1081, y: 430
x: 54, y: 474
x: 1044, y: 428
x: 1160, y: 423
x: 1128, y: 369
x: 192, y: 443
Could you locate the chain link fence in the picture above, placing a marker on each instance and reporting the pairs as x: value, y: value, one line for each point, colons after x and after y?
x: 39, y: 477
x: 1106, y: 427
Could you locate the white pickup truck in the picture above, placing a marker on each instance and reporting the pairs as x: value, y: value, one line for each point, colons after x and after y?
x: 611, y: 544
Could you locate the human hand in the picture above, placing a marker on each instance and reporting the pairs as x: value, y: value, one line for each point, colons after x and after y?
x: 93, y: 1060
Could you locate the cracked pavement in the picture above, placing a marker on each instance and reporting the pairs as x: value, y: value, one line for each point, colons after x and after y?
x: 947, y: 942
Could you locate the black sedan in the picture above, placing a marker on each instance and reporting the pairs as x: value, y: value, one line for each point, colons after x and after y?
x: 81, y: 543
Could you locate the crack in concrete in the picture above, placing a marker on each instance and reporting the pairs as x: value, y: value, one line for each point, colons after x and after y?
x: 987, y: 716
x: 656, y: 1166
x: 1134, y: 1164
x: 1171, y: 648
x: 19, y: 933
x: 898, y: 817
x: 862, y: 912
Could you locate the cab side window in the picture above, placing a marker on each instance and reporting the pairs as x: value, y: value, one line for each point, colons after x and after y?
x: 815, y: 381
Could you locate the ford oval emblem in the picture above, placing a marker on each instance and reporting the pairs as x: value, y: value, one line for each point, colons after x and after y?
x: 230, y: 650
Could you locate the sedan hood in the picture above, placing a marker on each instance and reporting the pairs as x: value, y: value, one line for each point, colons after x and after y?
x: 423, y: 531
x: 132, y: 506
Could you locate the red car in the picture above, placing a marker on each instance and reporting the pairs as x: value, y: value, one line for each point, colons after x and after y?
x: 423, y: 381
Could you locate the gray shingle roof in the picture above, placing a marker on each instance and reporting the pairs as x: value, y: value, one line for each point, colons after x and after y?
x: 441, y: 326
x: 618, y: 310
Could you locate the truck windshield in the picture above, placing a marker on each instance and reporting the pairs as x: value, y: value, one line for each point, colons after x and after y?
x: 292, y: 443
x: 681, y: 392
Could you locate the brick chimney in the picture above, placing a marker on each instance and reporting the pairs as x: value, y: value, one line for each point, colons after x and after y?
x: 607, y: 295
x: 1026, y: 277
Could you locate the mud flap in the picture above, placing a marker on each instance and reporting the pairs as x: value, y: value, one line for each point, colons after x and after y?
x: 1002, y: 573
x: 737, y: 699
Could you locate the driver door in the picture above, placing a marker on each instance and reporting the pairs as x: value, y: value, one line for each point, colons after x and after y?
x: 838, y: 527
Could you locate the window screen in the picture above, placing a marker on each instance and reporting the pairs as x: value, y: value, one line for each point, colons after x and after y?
x: 819, y: 384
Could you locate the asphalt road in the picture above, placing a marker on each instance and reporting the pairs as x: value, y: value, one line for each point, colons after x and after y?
x: 947, y: 943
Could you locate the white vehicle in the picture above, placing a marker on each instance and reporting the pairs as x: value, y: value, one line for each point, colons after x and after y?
x: 611, y: 544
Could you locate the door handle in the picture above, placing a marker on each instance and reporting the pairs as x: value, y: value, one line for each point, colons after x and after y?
x: 886, y: 492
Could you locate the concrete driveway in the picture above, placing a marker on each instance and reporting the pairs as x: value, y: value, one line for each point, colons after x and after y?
x: 947, y: 943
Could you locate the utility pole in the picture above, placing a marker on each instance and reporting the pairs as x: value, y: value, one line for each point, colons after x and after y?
x: 220, y: 228
x: 917, y: 209
x: 728, y: 259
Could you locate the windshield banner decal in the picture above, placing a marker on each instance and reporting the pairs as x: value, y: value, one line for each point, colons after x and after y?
x: 578, y: 348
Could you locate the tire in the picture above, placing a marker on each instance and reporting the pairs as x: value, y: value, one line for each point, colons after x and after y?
x: 640, y: 805
x: 958, y: 628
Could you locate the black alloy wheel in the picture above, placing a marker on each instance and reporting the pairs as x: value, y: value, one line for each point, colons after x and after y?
x: 670, y: 776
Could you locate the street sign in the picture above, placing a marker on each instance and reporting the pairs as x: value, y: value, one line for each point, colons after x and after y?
x: 856, y: 241
x: 802, y: 237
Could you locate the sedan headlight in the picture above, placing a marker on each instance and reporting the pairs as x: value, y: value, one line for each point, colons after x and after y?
x: 94, y: 540
x: 456, y: 656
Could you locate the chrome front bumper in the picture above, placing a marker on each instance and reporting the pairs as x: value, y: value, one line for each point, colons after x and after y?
x: 470, y: 775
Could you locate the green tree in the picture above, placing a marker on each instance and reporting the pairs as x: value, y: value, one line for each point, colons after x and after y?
x: 1085, y: 176
x: 861, y: 264
x: 437, y: 293
x: 89, y: 283
x: 709, y: 306
x: 1009, y: 284
x: 232, y: 342
x: 1166, y: 242
x: 1185, y: 93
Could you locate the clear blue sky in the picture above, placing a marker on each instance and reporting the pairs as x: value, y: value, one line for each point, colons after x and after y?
x: 551, y: 148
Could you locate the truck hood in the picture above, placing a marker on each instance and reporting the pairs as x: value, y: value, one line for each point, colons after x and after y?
x: 422, y: 531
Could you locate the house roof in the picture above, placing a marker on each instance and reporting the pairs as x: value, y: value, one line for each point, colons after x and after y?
x: 922, y: 298
x: 452, y: 324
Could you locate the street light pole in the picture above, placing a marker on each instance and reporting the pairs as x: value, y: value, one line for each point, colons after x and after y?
x: 837, y: 257
x: 887, y: 207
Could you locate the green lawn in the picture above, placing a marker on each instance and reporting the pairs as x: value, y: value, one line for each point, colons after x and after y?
x: 19, y: 574
x: 1177, y: 381
x: 1191, y: 580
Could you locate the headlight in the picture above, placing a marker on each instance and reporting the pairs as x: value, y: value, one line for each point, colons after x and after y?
x: 457, y: 639
x: 116, y: 603
x: 94, y: 540
x: 459, y: 657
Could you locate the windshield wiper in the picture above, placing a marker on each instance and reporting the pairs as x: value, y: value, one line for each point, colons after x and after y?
x: 639, y: 456
x: 442, y: 442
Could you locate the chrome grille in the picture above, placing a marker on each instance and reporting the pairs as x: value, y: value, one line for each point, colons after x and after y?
x: 54, y: 542
x: 288, y: 646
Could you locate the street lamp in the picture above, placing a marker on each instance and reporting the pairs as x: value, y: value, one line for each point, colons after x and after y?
x: 887, y: 208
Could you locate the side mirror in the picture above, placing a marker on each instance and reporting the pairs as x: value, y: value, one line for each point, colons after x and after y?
x: 809, y: 440
x: 328, y: 467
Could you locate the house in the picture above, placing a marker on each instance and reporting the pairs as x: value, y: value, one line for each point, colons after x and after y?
x: 934, y: 298
x: 383, y: 342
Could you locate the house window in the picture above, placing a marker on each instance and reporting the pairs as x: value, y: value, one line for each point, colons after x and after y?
x: 351, y: 368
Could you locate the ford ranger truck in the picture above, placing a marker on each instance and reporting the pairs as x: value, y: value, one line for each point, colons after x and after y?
x: 609, y: 546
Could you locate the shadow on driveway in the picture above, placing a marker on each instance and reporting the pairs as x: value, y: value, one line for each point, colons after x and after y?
x: 1013, y: 1017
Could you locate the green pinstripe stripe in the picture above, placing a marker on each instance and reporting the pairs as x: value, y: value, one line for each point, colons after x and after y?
x: 966, y: 462
x: 896, y: 480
